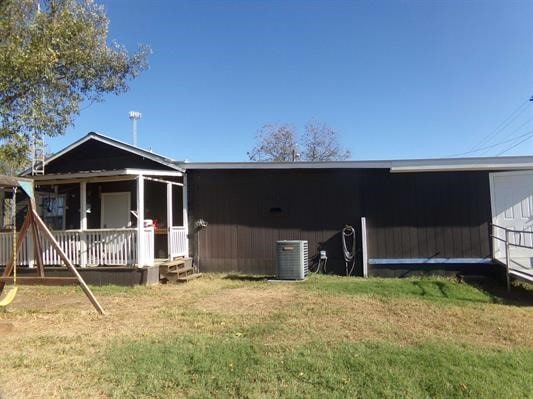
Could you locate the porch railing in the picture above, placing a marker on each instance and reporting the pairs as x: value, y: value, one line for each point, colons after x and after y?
x: 92, y: 247
x: 178, y: 241
x: 519, y: 239
x: 149, y: 245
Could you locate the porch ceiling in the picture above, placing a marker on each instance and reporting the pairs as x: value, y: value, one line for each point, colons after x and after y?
x: 100, y: 176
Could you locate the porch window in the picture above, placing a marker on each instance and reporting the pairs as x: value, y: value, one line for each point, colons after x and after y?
x: 7, y: 210
x: 52, y: 210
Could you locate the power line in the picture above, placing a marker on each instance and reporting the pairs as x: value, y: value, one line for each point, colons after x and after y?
x: 506, y: 122
x: 514, y: 131
x: 513, y: 146
x: 517, y: 144
x: 500, y: 142
x: 507, y: 141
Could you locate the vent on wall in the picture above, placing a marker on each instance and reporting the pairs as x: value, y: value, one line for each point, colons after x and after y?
x: 292, y: 258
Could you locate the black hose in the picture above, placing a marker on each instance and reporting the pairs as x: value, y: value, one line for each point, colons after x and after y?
x: 349, y: 256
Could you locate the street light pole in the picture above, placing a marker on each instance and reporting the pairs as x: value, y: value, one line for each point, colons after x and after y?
x: 135, y: 116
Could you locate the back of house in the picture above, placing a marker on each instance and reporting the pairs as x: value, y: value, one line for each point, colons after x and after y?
x: 116, y: 204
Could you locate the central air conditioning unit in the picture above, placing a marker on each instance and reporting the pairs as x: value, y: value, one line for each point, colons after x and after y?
x: 292, y: 257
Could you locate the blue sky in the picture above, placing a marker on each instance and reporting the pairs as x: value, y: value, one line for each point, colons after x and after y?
x: 397, y: 79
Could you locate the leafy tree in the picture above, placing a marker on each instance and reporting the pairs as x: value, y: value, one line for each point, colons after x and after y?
x: 280, y: 143
x: 54, y: 56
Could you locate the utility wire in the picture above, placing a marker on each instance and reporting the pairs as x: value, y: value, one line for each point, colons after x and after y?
x: 488, y: 147
x: 506, y: 122
x: 512, y: 132
x: 513, y: 146
x: 498, y: 143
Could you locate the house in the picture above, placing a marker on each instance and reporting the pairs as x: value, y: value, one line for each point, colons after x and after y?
x: 110, y: 204
x: 420, y: 216
x: 113, y: 205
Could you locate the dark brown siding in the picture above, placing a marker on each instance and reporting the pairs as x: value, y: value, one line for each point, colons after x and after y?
x: 95, y: 155
x: 422, y: 215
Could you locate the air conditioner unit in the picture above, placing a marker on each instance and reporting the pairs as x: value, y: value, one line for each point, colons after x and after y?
x: 292, y: 257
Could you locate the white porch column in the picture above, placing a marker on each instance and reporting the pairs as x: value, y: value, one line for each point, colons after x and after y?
x: 169, y: 220
x: 185, y: 214
x: 83, y: 224
x: 2, y: 200
x: 140, y: 221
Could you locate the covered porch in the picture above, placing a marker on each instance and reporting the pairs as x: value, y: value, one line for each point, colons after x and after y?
x: 128, y: 217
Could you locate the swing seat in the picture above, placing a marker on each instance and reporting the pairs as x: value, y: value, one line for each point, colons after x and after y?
x: 9, y: 297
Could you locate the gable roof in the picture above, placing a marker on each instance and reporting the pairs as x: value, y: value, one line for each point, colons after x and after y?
x: 170, y: 163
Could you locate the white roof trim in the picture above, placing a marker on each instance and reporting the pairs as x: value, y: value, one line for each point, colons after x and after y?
x: 395, y: 166
x: 458, y: 168
x: 115, y: 143
x: 288, y: 165
x: 105, y: 173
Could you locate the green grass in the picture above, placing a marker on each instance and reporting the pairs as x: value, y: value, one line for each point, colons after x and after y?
x: 205, y: 366
x: 443, y: 290
x: 244, y: 364
x: 238, y: 336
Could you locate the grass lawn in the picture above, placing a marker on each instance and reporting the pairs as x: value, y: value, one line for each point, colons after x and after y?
x: 232, y: 336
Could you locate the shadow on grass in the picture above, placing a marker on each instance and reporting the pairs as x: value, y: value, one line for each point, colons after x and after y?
x: 245, y: 277
x: 444, y: 290
x: 521, y: 294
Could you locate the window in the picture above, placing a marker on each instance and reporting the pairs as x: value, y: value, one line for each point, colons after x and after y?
x: 52, y: 210
x: 7, y: 213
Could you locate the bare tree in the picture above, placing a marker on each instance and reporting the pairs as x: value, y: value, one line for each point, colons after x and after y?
x: 321, y: 143
x: 275, y: 143
x: 279, y: 143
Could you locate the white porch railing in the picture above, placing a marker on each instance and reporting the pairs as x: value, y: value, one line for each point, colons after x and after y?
x: 102, y: 247
x: 149, y: 244
x: 6, y: 248
x: 178, y: 241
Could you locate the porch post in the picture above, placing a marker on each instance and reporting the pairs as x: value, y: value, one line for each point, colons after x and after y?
x: 83, y: 224
x: 169, y: 220
x: 2, y: 204
x: 140, y: 221
x: 30, y: 248
x: 185, y: 214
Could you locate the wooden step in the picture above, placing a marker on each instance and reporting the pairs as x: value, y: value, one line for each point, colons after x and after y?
x: 176, y: 262
x: 182, y: 270
x: 173, y: 263
x: 189, y: 277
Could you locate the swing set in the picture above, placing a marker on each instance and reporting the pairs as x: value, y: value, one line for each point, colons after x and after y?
x: 34, y: 224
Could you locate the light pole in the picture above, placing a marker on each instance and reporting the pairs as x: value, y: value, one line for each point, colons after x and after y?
x: 135, y: 116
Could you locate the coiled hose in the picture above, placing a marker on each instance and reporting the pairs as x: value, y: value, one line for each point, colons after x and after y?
x: 349, y: 256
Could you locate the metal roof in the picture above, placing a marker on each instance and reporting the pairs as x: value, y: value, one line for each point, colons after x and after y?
x: 395, y: 166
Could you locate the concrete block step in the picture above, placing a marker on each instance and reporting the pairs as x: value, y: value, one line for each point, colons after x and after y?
x: 189, y: 277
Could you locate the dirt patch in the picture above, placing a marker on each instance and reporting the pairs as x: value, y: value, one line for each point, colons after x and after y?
x: 247, y: 300
x: 6, y: 327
